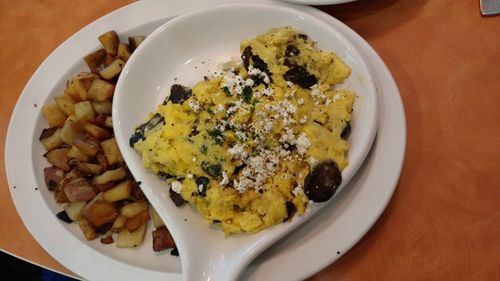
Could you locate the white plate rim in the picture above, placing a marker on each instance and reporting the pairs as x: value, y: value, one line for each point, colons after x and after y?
x: 318, y: 2
x: 24, y: 108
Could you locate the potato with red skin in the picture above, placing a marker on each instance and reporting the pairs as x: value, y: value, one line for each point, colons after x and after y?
x: 162, y: 239
x: 79, y: 190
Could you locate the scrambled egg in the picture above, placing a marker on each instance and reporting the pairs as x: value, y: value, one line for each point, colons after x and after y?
x: 239, y: 145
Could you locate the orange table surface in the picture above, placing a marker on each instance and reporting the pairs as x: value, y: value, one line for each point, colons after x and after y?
x: 443, y: 222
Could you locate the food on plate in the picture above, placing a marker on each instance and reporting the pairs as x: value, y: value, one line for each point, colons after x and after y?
x: 87, y: 173
x: 253, y: 144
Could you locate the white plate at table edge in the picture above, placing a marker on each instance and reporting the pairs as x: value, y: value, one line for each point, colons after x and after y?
x: 355, y: 203
x: 317, y: 2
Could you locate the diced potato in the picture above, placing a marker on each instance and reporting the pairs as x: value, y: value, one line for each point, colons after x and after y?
x: 113, y: 69
x: 100, y: 213
x: 110, y: 41
x: 90, y: 168
x: 127, y: 239
x: 87, y: 144
x: 96, y: 131
x: 118, y: 192
x: 135, y: 41
x: 59, y: 195
x: 132, y: 209
x: 74, y: 210
x: 123, y: 52
x: 66, y: 104
x: 112, y: 152
x: 84, y: 110
x: 79, y: 190
x: 75, y: 153
x: 107, y: 61
x: 109, y: 122
x: 87, y: 229
x: 53, y: 141
x: 110, y: 176
x: 69, y: 132
x: 54, y: 115
x: 101, y: 90
x: 157, y: 221
x: 52, y: 176
x: 76, y: 90
x: 101, y: 159
x: 119, y: 223
x: 59, y: 158
x: 95, y: 59
x: 103, y: 107
x: 134, y: 222
x: 87, y: 78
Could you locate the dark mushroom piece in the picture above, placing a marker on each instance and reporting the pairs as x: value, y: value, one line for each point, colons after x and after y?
x: 322, y: 182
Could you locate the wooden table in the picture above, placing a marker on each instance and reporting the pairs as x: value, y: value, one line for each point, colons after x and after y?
x: 443, y: 222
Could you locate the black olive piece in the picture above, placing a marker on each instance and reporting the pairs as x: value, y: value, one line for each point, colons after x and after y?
x: 178, y: 94
x: 51, y: 185
x: 303, y: 36
x: 216, y: 221
x: 290, y: 210
x: 291, y: 51
x: 213, y: 170
x: 62, y: 215
x: 174, y: 252
x: 176, y: 198
x: 138, y: 135
x: 289, y: 147
x: 104, y: 228
x: 246, y: 55
x: 261, y: 65
x: 299, y: 75
x: 322, y: 182
x: 203, y: 182
x: 346, y: 132
x: 238, y: 169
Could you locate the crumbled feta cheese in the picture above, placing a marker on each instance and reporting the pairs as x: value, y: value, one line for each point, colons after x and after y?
x: 302, y: 144
x: 194, y: 105
x: 194, y: 159
x: 300, y: 101
x: 225, y: 179
x: 176, y: 186
x: 303, y: 120
x: 313, y: 161
x: 190, y: 176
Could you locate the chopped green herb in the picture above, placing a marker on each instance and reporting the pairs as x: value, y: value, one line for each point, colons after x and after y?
x: 203, y: 149
x: 216, y: 136
x: 226, y: 91
x: 247, y: 94
x: 210, y: 111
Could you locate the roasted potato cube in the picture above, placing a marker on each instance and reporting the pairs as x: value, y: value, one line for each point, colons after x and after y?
x: 157, y: 221
x: 103, y: 108
x: 134, y: 222
x: 77, y: 90
x: 162, y: 239
x: 74, y: 210
x: 87, y: 144
x: 119, y: 223
x: 101, y: 159
x: 94, y: 169
x: 75, y: 153
x: 109, y: 122
x: 118, y: 192
x: 79, y: 190
x: 110, y: 176
x: 101, y: 90
x: 59, y: 158
x: 96, y: 131
x: 54, y: 115
x: 113, y: 69
x: 53, y: 176
x: 100, y: 213
x: 87, y: 78
x: 107, y: 61
x: 53, y: 140
x: 69, y: 132
x: 135, y: 41
x: 66, y: 104
x: 110, y: 41
x: 84, y: 111
x: 60, y: 196
x: 112, y: 152
x: 87, y: 229
x: 132, y: 209
x: 123, y: 52
x: 127, y: 239
x: 95, y: 59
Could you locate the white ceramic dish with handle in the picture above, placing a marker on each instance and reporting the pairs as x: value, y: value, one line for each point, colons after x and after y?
x: 180, y: 50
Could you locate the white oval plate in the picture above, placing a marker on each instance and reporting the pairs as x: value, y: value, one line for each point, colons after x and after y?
x: 359, y: 202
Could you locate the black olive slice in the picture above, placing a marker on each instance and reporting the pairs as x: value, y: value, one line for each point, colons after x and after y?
x: 290, y: 210
x: 62, y: 215
x: 176, y: 198
x: 322, y: 182
x: 203, y: 183
x: 178, y: 94
x: 346, y: 132
x: 299, y: 75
